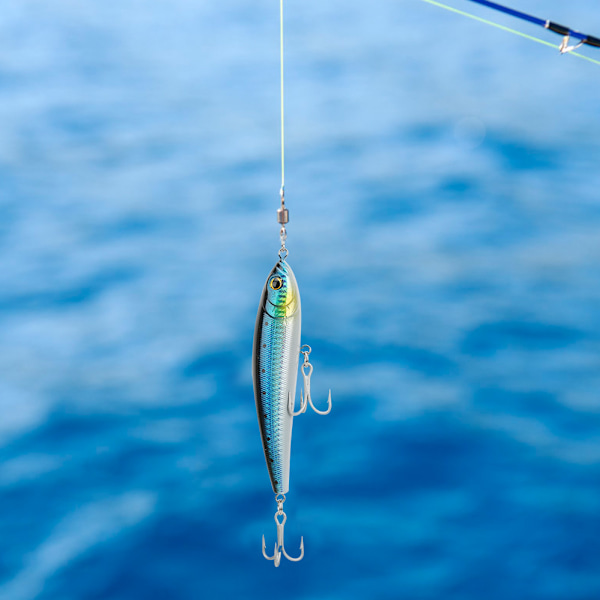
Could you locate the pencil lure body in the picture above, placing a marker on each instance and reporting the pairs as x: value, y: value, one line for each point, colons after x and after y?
x: 275, y: 368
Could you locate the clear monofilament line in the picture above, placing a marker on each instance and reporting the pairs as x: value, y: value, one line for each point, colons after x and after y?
x: 281, y: 94
x: 282, y: 213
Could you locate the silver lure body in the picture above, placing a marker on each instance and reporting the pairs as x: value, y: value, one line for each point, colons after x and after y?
x: 275, y: 368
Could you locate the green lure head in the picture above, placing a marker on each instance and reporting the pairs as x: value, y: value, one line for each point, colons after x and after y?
x: 282, y: 297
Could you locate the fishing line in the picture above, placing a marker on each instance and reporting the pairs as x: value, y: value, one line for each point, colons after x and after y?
x: 281, y: 89
x: 283, y: 216
x: 507, y: 29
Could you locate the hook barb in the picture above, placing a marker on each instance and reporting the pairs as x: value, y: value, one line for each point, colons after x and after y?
x: 319, y: 412
x: 301, y: 551
x: 292, y: 402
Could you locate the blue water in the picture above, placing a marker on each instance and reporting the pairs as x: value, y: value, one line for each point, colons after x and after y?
x: 442, y: 181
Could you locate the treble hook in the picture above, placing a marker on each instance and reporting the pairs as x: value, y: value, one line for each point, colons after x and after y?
x: 305, y: 399
x: 279, y: 547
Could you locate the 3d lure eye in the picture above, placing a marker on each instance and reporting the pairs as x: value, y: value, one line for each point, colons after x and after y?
x: 276, y: 283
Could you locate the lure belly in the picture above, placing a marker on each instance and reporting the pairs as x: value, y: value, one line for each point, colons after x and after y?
x: 275, y: 369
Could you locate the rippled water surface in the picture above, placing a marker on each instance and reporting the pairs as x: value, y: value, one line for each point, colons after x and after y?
x: 442, y: 181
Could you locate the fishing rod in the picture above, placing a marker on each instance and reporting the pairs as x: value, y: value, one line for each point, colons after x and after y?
x: 564, y: 46
x: 566, y: 32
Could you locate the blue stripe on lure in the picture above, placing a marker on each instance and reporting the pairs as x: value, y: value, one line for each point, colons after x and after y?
x: 274, y: 373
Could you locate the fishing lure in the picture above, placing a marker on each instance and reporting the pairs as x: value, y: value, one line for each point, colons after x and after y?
x: 274, y: 372
x: 275, y: 355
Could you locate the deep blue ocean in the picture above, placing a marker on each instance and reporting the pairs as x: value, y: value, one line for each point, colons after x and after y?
x: 443, y: 183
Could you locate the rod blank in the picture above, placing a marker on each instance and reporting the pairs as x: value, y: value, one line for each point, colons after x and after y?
x: 550, y: 25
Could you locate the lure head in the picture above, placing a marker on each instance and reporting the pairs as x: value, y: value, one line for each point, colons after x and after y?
x: 282, y: 297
